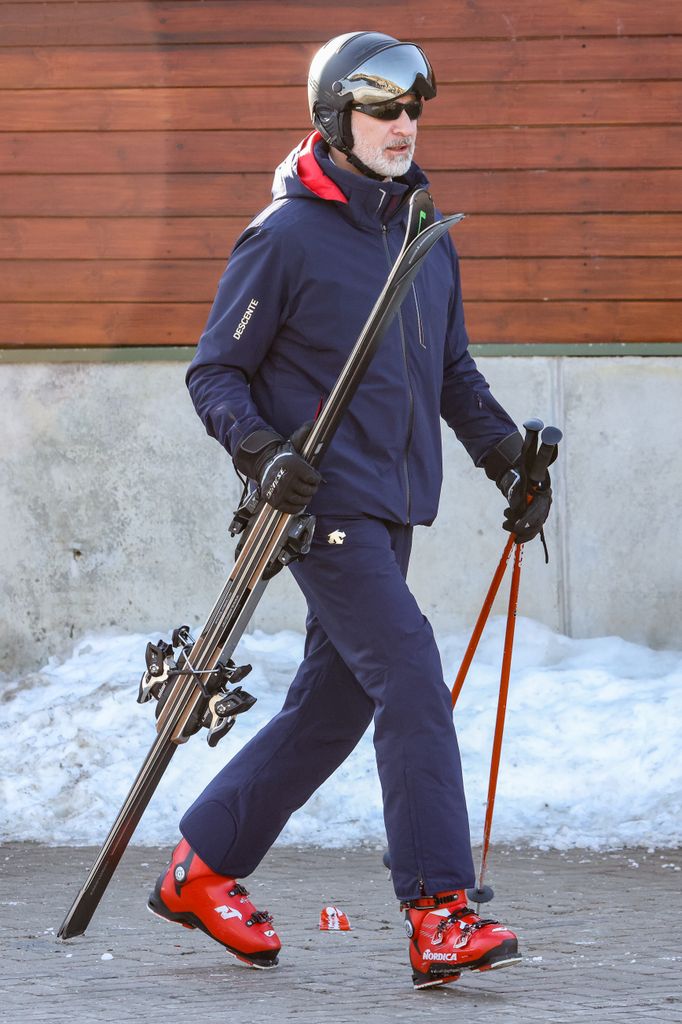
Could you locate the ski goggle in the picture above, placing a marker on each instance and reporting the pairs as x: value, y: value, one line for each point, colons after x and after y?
x: 391, y: 111
x: 391, y: 73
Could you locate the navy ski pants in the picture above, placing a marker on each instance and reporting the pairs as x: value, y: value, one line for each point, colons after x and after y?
x: 369, y: 653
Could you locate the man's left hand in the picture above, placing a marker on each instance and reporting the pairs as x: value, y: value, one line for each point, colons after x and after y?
x: 527, y: 513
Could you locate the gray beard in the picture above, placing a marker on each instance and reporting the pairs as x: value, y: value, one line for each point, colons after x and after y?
x: 375, y: 159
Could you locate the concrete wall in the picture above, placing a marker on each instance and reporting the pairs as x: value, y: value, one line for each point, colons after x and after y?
x: 114, y: 506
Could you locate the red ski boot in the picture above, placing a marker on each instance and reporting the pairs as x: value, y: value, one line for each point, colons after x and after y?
x: 189, y: 893
x: 448, y: 937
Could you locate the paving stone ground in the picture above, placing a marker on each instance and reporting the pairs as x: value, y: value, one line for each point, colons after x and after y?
x: 601, y: 936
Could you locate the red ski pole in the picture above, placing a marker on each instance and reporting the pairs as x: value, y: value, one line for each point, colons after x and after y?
x: 481, y: 621
x: 528, y: 454
x: 481, y: 894
x: 539, y: 461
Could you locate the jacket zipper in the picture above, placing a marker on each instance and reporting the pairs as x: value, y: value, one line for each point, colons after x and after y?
x: 420, y: 327
x: 408, y: 443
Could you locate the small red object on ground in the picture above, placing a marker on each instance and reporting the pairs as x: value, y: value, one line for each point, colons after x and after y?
x: 333, y: 920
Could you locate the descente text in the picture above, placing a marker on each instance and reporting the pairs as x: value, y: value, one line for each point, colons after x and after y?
x: 250, y: 309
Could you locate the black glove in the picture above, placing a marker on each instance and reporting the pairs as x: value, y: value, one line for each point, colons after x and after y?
x: 529, y: 502
x: 285, y: 480
x: 525, y: 518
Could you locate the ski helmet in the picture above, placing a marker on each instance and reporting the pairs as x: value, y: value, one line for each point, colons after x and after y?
x: 362, y: 67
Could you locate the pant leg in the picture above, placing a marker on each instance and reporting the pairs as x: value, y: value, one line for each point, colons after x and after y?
x: 379, y: 638
x: 358, y: 592
x: 237, y: 818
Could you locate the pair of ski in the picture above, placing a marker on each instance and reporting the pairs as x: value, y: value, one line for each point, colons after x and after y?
x: 191, y: 678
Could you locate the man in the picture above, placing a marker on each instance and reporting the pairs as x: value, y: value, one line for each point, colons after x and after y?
x: 299, y: 286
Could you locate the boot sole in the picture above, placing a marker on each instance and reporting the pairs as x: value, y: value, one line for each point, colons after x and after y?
x: 265, y: 961
x: 421, y: 981
x: 509, y: 961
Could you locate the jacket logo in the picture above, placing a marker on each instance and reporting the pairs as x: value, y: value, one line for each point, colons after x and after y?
x: 227, y: 912
x: 248, y: 313
x: 336, y: 537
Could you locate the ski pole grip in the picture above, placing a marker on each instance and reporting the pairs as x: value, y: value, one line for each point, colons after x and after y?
x: 533, y: 426
x: 547, y: 453
x: 529, y: 450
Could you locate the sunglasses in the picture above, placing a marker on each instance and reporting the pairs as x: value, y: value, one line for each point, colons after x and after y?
x: 391, y: 111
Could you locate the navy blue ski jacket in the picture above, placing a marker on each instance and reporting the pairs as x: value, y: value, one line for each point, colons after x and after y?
x: 299, y: 285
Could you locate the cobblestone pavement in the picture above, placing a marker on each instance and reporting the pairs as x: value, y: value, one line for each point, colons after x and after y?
x: 601, y: 936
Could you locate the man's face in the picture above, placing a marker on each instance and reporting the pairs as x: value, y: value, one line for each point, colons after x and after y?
x: 387, y: 147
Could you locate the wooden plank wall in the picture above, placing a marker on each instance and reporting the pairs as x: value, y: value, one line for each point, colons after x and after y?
x: 137, y: 139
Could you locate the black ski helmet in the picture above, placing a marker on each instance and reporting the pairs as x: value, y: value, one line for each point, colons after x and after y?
x: 362, y: 67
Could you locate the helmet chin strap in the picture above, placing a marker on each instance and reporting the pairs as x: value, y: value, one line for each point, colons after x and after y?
x: 337, y: 134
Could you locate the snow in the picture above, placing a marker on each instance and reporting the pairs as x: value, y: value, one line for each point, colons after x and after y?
x: 590, y: 759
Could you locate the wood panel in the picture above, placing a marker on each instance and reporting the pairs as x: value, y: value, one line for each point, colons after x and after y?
x: 139, y: 138
x: 629, y: 278
x: 267, y: 108
x: 182, y: 195
x: 194, y: 280
x: 103, y: 323
x: 111, y: 66
x: 111, y: 280
x: 61, y: 23
x: 551, y: 235
x: 491, y: 236
x: 95, y: 238
x: 557, y: 322
x: 185, y: 152
x: 281, y: 63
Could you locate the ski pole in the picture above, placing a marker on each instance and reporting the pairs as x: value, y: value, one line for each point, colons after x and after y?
x: 528, y: 456
x: 481, y: 620
x: 534, y: 464
x: 483, y: 894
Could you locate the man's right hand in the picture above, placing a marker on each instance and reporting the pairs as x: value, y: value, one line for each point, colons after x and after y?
x: 286, y: 481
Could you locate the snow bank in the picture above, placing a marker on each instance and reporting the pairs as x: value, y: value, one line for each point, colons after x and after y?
x: 591, y: 753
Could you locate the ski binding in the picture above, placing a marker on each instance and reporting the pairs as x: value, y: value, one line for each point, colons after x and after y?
x: 217, y: 712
